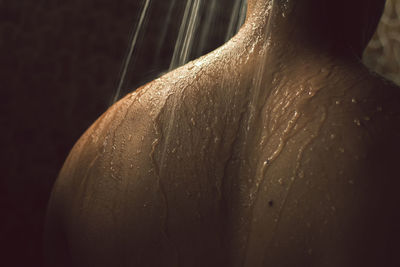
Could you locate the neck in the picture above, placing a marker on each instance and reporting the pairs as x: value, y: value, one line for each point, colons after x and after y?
x: 334, y: 26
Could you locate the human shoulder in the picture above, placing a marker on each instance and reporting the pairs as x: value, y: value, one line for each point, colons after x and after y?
x: 350, y: 178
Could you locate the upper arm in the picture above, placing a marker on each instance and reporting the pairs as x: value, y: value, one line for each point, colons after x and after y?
x: 105, y: 177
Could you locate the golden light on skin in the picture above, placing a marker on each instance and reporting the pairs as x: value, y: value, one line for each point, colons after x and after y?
x: 244, y: 157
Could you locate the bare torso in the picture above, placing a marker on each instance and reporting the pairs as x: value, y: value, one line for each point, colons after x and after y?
x: 226, y: 162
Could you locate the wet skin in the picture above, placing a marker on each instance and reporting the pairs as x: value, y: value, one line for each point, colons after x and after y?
x: 261, y: 153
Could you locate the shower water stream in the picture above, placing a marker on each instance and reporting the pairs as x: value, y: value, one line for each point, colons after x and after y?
x: 237, y: 18
x: 194, y: 32
x: 131, y: 50
x: 186, y: 34
x: 206, y: 26
x: 256, y: 48
x: 205, y: 165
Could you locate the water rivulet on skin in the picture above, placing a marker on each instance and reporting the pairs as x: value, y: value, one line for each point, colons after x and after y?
x: 277, y: 149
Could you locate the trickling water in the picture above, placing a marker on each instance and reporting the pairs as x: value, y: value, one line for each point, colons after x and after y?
x: 237, y: 18
x: 131, y: 49
x: 186, y: 34
x: 210, y: 16
x: 189, y: 37
x: 199, y: 32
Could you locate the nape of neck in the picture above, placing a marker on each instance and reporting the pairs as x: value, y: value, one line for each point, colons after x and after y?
x: 346, y: 24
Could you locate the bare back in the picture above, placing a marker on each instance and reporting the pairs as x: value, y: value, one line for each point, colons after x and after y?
x: 208, y: 166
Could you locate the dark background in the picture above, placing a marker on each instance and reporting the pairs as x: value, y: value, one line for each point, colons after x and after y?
x: 60, y: 63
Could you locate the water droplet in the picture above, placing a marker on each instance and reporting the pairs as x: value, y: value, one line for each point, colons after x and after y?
x: 333, y: 136
x: 280, y: 181
x: 337, y: 102
x: 366, y: 118
x: 357, y: 122
x: 130, y: 137
x: 301, y: 174
x: 341, y: 149
x: 353, y: 100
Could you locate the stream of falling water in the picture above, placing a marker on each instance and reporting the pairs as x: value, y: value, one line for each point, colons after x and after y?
x: 132, y: 46
x: 190, y: 22
x: 194, y: 30
x: 193, y: 36
x: 206, y: 26
x: 237, y: 18
x: 186, y: 34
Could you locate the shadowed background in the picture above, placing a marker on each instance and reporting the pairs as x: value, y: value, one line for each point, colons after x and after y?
x: 60, y: 64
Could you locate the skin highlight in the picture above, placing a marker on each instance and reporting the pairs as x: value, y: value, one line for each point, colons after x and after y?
x: 277, y: 149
